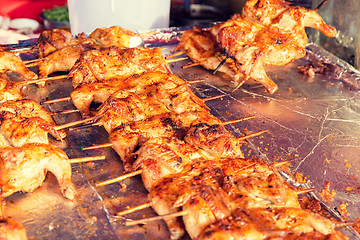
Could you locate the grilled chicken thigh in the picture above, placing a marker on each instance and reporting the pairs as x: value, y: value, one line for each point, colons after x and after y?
x: 24, y: 168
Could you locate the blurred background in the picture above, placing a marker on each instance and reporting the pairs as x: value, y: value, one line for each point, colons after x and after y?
x: 21, y: 19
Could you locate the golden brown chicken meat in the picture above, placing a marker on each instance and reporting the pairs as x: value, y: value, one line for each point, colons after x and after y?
x: 253, y: 45
x: 98, y: 92
x: 131, y: 135
x: 125, y: 105
x: 116, y: 36
x: 10, y: 62
x: 61, y: 60
x: 201, y: 47
x: 9, y: 90
x: 26, y: 121
x: 279, y: 223
x: 97, y: 66
x: 24, y: 168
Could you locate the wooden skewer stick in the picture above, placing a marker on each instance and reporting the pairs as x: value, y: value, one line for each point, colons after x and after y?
x: 87, y: 159
x: 190, y: 65
x: 134, y: 209
x: 105, y: 145
x: 64, y: 99
x: 21, y: 49
x: 345, y: 224
x: 215, y: 97
x: 118, y: 179
x: 175, y: 54
x: 308, y: 190
x: 195, y: 81
x: 64, y: 112
x: 32, y: 60
x: 243, y: 119
x: 146, y: 220
x: 253, y: 135
x: 46, y: 79
x: 320, y: 5
x: 70, y: 124
x: 176, y: 60
x: 279, y: 164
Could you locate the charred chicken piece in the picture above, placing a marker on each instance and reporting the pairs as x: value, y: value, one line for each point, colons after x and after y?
x: 201, y: 47
x: 124, y: 105
x: 9, y: 90
x: 24, y: 168
x: 61, y: 60
x: 279, y: 223
x: 98, y: 92
x: 161, y: 157
x: 115, y: 36
x: 96, y: 66
x: 26, y: 121
x: 10, y: 62
x: 254, y: 45
x: 131, y: 135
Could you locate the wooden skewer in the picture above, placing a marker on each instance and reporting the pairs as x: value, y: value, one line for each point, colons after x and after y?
x: 67, y: 125
x: 190, y: 65
x: 345, y: 224
x: 175, y: 54
x: 118, y: 179
x: 243, y: 119
x: 64, y: 99
x: 279, y: 164
x: 253, y: 135
x: 320, y: 5
x: 134, y: 209
x: 146, y: 220
x: 46, y: 79
x: 21, y: 49
x: 87, y: 159
x: 176, y: 60
x: 215, y: 97
x: 195, y: 81
x: 308, y: 190
x: 64, y: 112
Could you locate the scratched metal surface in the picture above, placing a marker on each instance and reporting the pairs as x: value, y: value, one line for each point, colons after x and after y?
x: 313, y: 120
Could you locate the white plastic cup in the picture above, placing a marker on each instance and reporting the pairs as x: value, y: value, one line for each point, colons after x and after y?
x: 87, y: 15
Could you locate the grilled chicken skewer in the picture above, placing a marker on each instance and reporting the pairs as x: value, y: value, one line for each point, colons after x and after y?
x: 26, y: 121
x: 198, y: 128
x: 280, y: 223
x: 24, y: 168
x: 10, y: 62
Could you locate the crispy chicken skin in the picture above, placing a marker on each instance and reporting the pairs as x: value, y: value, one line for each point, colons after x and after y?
x: 98, y: 92
x: 9, y: 90
x: 278, y: 223
x: 10, y: 62
x: 125, y: 106
x: 97, y: 66
x: 24, y: 168
x: 126, y: 138
x: 51, y: 40
x: 273, y: 40
x: 24, y: 121
x: 114, y: 35
x: 201, y: 46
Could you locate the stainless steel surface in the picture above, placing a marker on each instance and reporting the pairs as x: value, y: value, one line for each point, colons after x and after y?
x: 314, y: 120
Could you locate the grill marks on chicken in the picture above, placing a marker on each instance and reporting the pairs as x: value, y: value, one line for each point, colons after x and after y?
x: 26, y: 121
x: 129, y: 136
x: 279, y: 223
x: 24, y: 168
x: 10, y: 62
x: 269, y: 33
x: 99, y: 66
x: 144, y: 84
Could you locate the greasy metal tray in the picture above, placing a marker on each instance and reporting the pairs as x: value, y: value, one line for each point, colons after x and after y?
x: 313, y: 121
